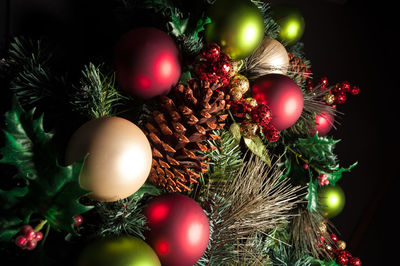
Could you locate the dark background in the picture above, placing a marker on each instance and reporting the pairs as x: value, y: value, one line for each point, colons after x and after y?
x: 351, y: 40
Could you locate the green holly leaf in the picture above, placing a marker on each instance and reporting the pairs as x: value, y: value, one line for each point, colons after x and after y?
x: 204, y: 20
x: 336, y: 173
x: 319, y: 148
x: 52, y: 190
x: 185, y: 77
x: 312, y: 196
x: 178, y: 24
x: 256, y: 145
x: 235, y: 130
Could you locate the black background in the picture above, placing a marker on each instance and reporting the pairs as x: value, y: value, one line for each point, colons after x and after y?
x: 350, y: 40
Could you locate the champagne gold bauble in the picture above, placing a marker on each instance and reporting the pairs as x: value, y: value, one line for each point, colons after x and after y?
x: 240, y: 82
x: 270, y: 57
x: 236, y: 94
x: 341, y: 245
x: 122, y: 251
x: 118, y: 158
x: 249, y: 130
x: 236, y: 65
x: 251, y: 101
x: 329, y: 98
x: 237, y: 26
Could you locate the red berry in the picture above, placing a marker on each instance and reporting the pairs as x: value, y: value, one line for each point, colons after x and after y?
x: 25, y: 229
x: 355, y: 261
x: 305, y: 166
x: 39, y: 236
x: 30, y: 235
x: 355, y: 90
x: 78, y: 220
x: 21, y: 241
x: 334, y: 237
x: 31, y: 244
x: 342, y: 260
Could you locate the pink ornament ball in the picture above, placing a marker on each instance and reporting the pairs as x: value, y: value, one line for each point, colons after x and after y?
x: 179, y: 229
x: 282, y: 95
x: 147, y: 62
x: 324, y: 123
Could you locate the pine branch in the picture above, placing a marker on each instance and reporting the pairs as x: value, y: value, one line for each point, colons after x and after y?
x: 253, y: 201
x: 97, y: 95
x: 271, y: 28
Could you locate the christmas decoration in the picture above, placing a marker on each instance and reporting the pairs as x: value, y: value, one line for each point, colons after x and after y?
x: 147, y: 62
x: 118, y: 161
x: 121, y: 251
x: 270, y: 57
x: 324, y: 123
x: 247, y: 190
x: 213, y: 66
x: 331, y: 200
x: 237, y: 26
x: 179, y: 229
x: 291, y: 22
x: 283, y: 97
x: 182, y: 124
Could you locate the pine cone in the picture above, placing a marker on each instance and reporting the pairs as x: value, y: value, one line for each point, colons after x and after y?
x: 180, y: 128
x: 297, y: 65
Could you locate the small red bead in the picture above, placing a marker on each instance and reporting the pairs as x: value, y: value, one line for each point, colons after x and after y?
x: 25, y: 229
x: 345, y: 86
x: 31, y: 244
x: 30, y: 235
x: 355, y: 90
x: 341, y: 97
x: 78, y: 220
x: 21, y: 241
x: 305, y: 166
x: 355, y: 261
x: 342, y: 260
x: 39, y: 236
x: 334, y: 237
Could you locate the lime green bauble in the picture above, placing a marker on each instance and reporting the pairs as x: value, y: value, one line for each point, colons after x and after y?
x: 122, y: 251
x: 237, y: 26
x: 331, y: 200
x: 291, y: 22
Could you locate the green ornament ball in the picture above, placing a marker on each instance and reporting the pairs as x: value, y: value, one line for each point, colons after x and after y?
x: 237, y: 26
x: 121, y: 251
x: 291, y: 22
x: 331, y: 200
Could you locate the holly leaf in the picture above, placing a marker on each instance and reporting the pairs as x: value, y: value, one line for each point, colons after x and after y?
x: 256, y: 145
x: 336, y: 173
x: 204, y: 20
x: 235, y: 130
x: 185, y: 77
x: 318, y: 148
x: 52, y: 190
x: 312, y: 196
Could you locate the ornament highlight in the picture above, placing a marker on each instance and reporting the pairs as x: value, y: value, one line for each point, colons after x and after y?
x: 237, y: 26
x: 283, y: 97
x: 118, y: 161
x: 122, y: 251
x: 331, y: 200
x: 291, y: 22
x: 147, y: 62
x: 324, y: 123
x: 179, y: 229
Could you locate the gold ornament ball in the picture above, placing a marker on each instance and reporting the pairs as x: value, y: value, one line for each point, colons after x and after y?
x: 270, y: 57
x: 341, y: 245
x: 249, y: 129
x: 241, y: 82
x: 329, y: 98
x: 235, y: 93
x: 118, y: 161
x: 251, y: 101
x: 237, y: 26
x: 236, y: 65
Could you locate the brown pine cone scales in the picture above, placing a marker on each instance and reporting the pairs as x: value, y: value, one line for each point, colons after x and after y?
x: 296, y: 65
x: 176, y: 131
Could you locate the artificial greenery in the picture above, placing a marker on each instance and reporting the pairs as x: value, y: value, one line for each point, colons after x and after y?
x: 51, y: 190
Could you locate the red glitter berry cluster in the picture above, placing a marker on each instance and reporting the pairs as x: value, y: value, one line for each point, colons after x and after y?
x: 260, y: 114
x: 28, y: 238
x: 213, y: 65
x: 342, y: 256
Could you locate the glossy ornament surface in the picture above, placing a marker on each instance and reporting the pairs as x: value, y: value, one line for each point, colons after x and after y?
x: 237, y: 26
x: 331, y: 200
x: 118, y: 161
x: 291, y: 22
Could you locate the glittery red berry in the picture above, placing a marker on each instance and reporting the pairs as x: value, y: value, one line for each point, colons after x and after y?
x: 340, y: 97
x: 345, y: 86
x: 78, y: 220
x: 211, y: 52
x: 271, y: 133
x: 334, y: 237
x: 354, y: 90
x: 342, y: 260
x: 355, y: 261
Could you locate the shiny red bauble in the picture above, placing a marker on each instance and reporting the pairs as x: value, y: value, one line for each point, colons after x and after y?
x: 282, y: 95
x: 147, y: 62
x: 324, y: 123
x: 179, y: 229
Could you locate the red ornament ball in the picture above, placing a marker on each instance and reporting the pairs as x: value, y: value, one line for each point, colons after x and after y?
x: 324, y: 123
x: 179, y: 229
x: 147, y: 62
x: 78, y: 220
x: 283, y: 97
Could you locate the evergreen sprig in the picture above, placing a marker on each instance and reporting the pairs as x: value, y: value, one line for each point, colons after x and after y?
x: 97, y: 95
